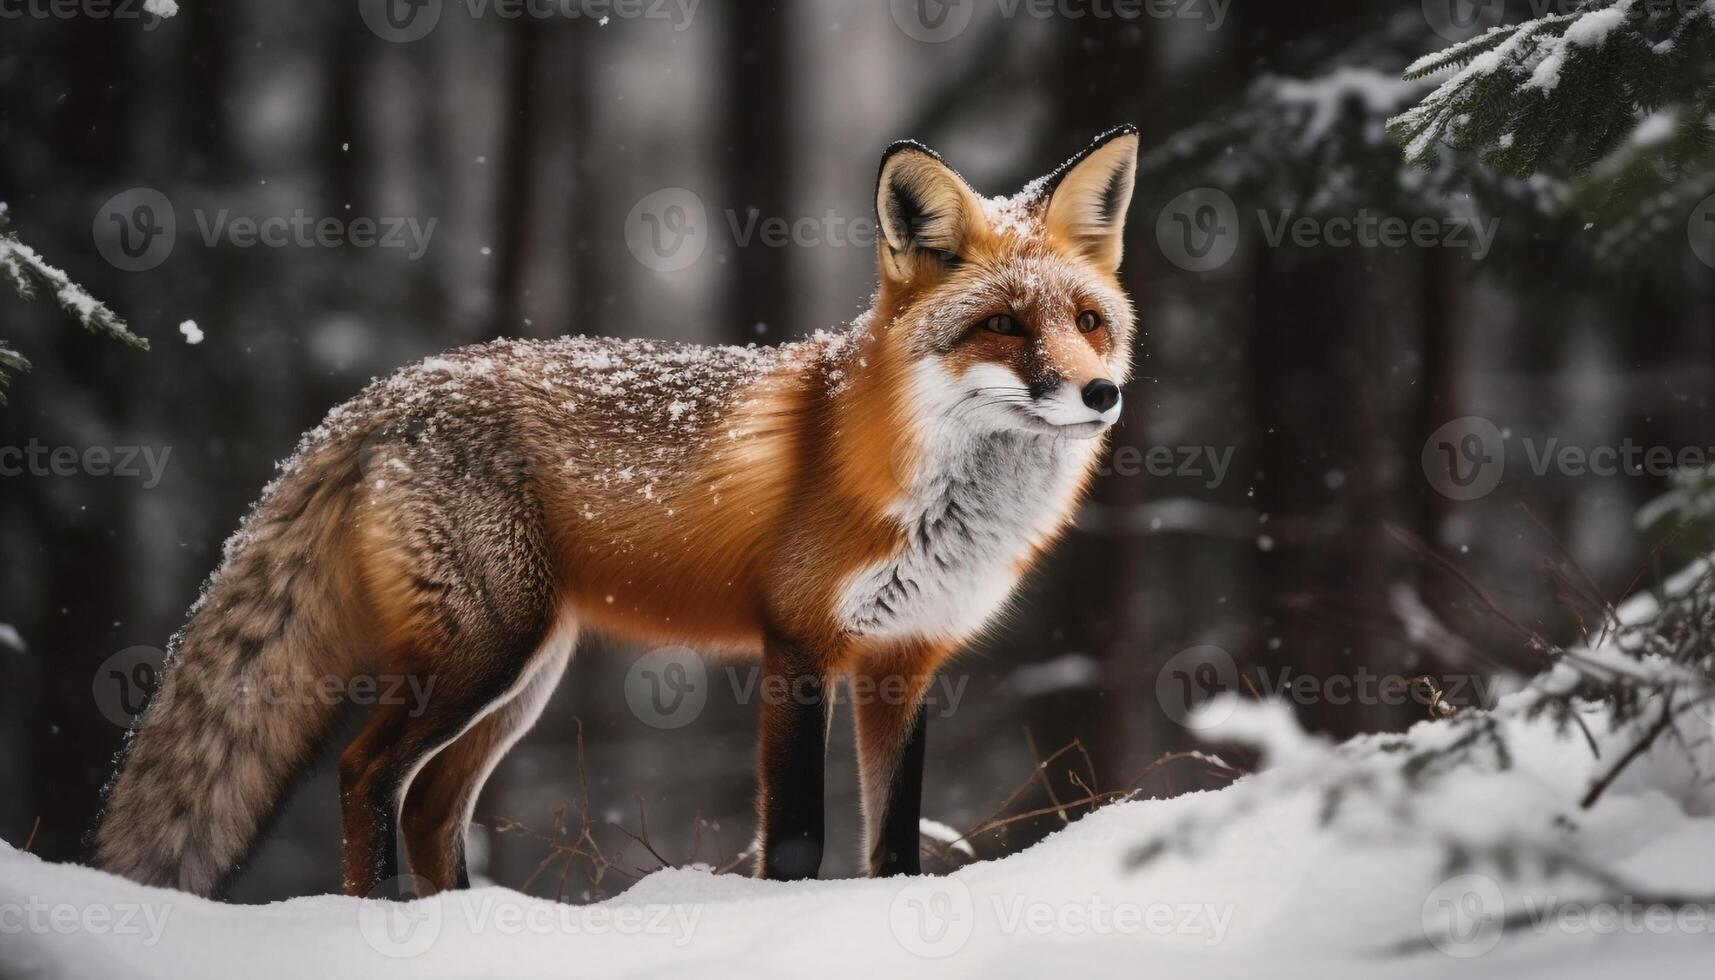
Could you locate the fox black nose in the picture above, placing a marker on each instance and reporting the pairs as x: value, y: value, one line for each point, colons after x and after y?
x: 1101, y: 394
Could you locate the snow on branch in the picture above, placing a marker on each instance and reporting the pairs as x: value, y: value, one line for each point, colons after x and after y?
x: 1565, y: 89
x: 27, y: 272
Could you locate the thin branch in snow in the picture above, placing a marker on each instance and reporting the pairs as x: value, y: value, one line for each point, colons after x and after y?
x: 28, y: 272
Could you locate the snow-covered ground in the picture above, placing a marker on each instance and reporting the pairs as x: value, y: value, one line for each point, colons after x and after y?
x: 1260, y: 879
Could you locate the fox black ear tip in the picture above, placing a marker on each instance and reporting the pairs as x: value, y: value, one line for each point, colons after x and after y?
x: 1123, y: 129
x: 901, y: 146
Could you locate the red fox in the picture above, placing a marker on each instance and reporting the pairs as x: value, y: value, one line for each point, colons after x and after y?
x: 858, y: 504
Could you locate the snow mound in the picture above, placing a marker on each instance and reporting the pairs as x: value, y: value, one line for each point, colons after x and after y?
x: 1482, y: 869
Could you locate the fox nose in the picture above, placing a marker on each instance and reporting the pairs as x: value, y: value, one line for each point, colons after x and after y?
x: 1101, y: 394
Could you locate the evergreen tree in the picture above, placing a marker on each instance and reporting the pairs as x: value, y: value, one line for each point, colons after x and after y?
x: 1316, y: 142
x: 1561, y: 92
x: 27, y: 272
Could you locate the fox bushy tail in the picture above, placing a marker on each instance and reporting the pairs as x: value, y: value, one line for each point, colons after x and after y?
x: 239, y: 714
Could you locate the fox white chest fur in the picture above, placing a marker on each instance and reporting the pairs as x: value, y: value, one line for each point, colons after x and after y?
x: 980, y: 498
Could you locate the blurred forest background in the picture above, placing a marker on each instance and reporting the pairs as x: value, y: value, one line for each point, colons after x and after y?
x: 1323, y: 551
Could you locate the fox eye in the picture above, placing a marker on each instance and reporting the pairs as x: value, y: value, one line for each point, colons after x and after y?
x: 1002, y: 323
x: 1088, y: 321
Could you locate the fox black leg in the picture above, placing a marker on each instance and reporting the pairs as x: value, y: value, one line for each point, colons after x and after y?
x: 896, y: 848
x: 791, y: 751
x: 892, y: 728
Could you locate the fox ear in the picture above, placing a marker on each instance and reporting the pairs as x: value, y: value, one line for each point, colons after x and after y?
x: 1088, y: 196
x: 927, y: 213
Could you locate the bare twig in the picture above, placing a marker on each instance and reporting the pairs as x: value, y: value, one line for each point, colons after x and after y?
x: 1092, y: 797
x: 1041, y: 773
x: 1533, y: 640
x: 1638, y: 749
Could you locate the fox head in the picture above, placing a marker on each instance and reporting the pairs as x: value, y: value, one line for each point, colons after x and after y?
x: 1010, y: 311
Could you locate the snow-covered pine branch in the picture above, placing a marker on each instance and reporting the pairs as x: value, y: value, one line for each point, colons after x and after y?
x: 26, y: 271
x: 1564, y: 91
x: 1315, y: 143
x: 1635, y: 698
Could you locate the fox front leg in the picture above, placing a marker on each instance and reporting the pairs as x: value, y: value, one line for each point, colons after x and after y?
x: 892, y: 729
x: 791, y: 749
